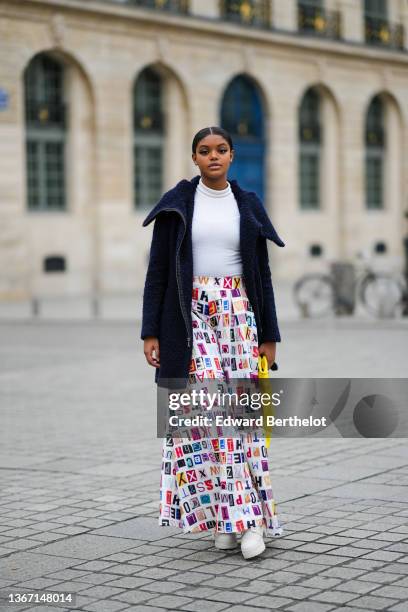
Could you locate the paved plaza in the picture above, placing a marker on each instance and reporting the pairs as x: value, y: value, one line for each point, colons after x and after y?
x: 79, y: 479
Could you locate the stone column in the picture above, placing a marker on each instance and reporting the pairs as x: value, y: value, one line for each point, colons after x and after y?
x: 352, y: 16
x: 209, y: 8
x: 281, y: 175
x: 394, y: 12
x: 284, y: 15
x: 114, y: 170
x: 353, y: 213
x: 14, y: 258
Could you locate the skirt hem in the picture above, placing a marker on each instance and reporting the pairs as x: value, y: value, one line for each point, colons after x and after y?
x: 273, y: 532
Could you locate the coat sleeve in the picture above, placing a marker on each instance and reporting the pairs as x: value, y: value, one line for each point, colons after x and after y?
x: 156, y: 278
x: 270, y: 330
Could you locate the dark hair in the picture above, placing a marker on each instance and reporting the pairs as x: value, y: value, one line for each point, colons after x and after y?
x: 211, y: 130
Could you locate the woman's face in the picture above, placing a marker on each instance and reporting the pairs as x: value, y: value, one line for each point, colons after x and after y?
x: 213, y: 156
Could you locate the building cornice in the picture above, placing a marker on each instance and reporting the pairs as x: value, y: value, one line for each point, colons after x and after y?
x: 194, y: 24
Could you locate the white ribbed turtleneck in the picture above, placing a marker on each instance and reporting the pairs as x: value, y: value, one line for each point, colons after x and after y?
x: 215, y: 232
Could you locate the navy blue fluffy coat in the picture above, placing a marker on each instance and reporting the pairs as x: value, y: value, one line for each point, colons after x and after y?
x: 169, y: 278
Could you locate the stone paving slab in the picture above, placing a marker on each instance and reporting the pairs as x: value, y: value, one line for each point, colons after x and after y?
x: 140, y: 528
x: 288, y: 486
x: 360, y: 489
x: 22, y: 566
x: 85, y: 546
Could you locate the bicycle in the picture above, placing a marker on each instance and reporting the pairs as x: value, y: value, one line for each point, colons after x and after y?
x: 380, y: 293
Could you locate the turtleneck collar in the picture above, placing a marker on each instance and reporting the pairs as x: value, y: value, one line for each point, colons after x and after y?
x: 214, y: 193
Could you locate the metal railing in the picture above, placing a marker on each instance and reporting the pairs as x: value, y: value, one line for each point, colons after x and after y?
x: 45, y: 114
x: 246, y: 12
x: 383, y: 33
x: 310, y: 132
x: 319, y: 21
x: 151, y: 121
x: 170, y: 6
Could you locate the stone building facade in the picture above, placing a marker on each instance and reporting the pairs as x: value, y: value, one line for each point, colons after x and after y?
x: 82, y: 163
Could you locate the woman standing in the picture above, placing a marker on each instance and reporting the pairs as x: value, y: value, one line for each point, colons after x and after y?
x: 208, y: 312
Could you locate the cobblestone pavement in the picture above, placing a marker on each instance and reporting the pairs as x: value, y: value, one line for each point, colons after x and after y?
x: 79, y: 472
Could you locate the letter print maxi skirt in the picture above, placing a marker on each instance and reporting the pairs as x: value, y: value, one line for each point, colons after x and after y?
x: 221, y: 483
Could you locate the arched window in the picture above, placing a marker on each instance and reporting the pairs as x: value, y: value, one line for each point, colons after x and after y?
x: 148, y: 122
x: 375, y: 154
x: 45, y: 117
x: 310, y: 134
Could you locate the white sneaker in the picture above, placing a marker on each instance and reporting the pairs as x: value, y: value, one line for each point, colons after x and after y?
x: 225, y: 541
x: 252, y: 542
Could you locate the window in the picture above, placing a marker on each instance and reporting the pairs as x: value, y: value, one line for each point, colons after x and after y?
x: 312, y: 3
x: 314, y: 18
x: 54, y: 263
x: 45, y: 117
x: 172, y: 6
x: 251, y: 12
x: 309, y: 150
x: 374, y: 155
x: 148, y: 124
x: 378, y: 29
x: 375, y: 8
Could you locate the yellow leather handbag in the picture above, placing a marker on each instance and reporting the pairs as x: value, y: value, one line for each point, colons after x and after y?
x: 265, y: 386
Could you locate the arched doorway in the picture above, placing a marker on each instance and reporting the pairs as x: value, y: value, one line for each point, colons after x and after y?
x: 242, y: 115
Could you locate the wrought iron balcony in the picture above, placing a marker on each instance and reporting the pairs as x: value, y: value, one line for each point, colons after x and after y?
x: 246, y: 12
x: 171, y: 6
x: 375, y: 137
x: 383, y: 33
x: 148, y: 121
x: 45, y: 114
x: 318, y: 21
x: 310, y: 132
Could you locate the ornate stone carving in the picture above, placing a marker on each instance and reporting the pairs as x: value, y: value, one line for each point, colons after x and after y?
x: 58, y: 29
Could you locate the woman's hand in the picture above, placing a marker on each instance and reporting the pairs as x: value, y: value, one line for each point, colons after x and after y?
x: 151, y: 344
x: 269, y: 350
